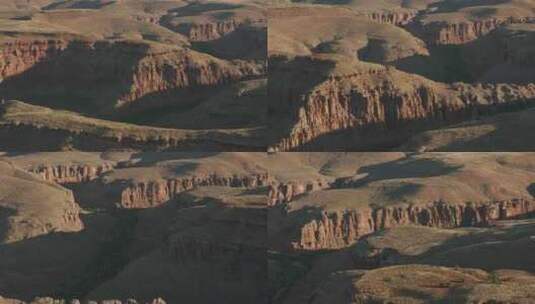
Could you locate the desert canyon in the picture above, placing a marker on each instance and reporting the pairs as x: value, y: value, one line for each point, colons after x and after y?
x: 267, y: 151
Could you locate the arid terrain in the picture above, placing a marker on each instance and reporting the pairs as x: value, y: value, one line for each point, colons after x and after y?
x: 337, y: 228
x: 267, y: 151
x: 402, y: 228
x: 185, y: 228
x: 148, y: 75
x: 416, y: 75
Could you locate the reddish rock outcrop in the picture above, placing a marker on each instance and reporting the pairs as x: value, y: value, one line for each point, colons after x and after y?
x: 210, y: 30
x: 281, y: 193
x: 334, y: 230
x: 460, y: 33
x: 17, y: 56
x: 389, y: 99
x: 75, y: 173
x: 132, y: 69
x: 146, y: 194
x: 394, y: 18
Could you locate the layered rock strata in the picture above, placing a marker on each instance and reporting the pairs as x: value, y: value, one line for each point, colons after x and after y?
x: 151, y: 193
x: 394, y: 18
x: 134, y: 69
x: 389, y: 99
x: 17, y: 56
x: 461, y: 33
x: 74, y: 173
x: 281, y: 193
x: 338, y: 229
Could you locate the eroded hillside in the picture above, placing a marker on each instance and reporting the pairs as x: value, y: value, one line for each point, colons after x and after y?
x: 364, y: 75
x: 144, y: 226
x: 267, y: 228
x: 193, y: 67
x: 401, y: 228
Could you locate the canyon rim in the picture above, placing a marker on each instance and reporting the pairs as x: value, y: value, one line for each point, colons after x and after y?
x: 267, y: 151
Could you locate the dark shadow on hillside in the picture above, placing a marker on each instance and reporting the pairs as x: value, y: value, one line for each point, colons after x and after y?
x: 227, y: 106
x: 191, y: 244
x: 83, y: 4
x: 445, y: 63
x: 394, y: 134
x: 5, y: 214
x: 454, y: 6
x: 246, y: 42
x: 489, y: 249
x: 195, y: 9
x: 83, y: 78
x: 407, y: 168
x: 50, y: 264
x: 289, y: 80
x: 512, y: 133
x: 225, y: 254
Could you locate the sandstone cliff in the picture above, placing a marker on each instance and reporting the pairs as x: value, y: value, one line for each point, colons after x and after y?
x: 394, y: 18
x: 151, y: 193
x: 17, y: 56
x: 334, y: 230
x: 125, y: 71
x: 384, y: 98
x: 74, y: 173
x: 463, y: 32
x: 281, y: 193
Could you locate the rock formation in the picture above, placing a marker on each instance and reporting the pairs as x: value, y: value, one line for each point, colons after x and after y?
x: 63, y: 174
x: 334, y: 230
x: 389, y: 99
x: 152, y: 193
x: 26, y: 217
x: 461, y: 33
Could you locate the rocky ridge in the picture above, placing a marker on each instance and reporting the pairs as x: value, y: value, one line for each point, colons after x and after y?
x: 149, y: 70
x: 151, y: 193
x: 75, y: 173
x: 335, y: 230
x: 379, y: 99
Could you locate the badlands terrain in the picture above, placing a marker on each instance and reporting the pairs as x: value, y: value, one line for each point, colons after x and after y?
x: 415, y: 75
x: 154, y: 227
x: 162, y: 75
x: 338, y: 228
x: 402, y: 228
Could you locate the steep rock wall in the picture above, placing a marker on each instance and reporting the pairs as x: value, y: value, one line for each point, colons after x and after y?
x: 74, y: 173
x: 460, y: 33
x: 146, y: 194
x: 17, y: 56
x: 125, y: 71
x: 281, y: 193
x: 389, y: 99
x: 394, y: 18
x: 334, y: 230
x: 209, y: 30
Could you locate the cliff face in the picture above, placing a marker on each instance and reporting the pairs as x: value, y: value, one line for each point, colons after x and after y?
x: 394, y: 18
x: 334, y: 230
x: 17, y: 56
x: 125, y: 71
x: 212, y: 26
x: 174, y: 70
x: 74, y: 173
x: 389, y: 99
x: 146, y: 194
x: 208, y: 31
x: 460, y: 33
x: 280, y: 193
